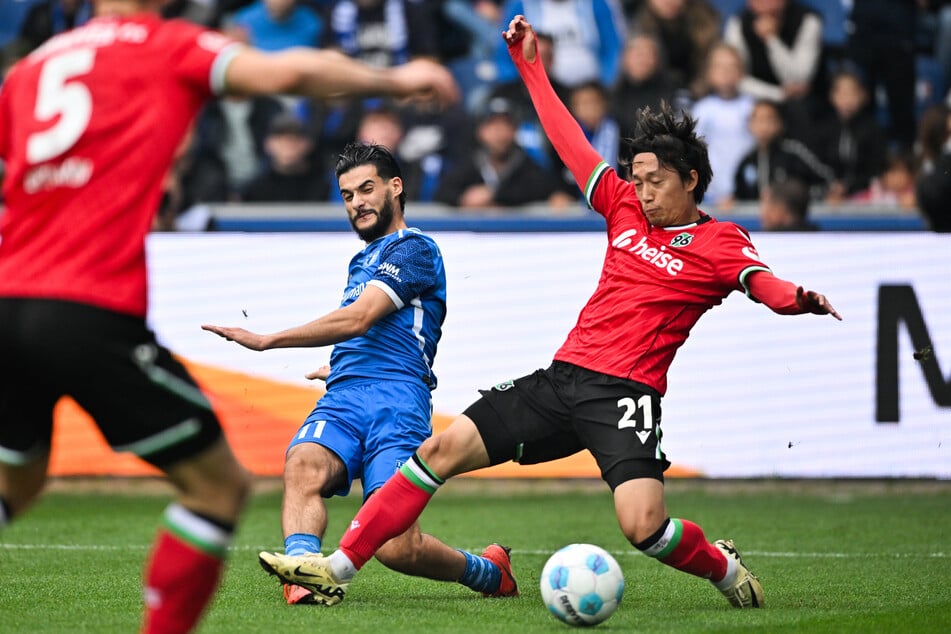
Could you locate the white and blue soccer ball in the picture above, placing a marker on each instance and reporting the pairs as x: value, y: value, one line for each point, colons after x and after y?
x: 582, y: 584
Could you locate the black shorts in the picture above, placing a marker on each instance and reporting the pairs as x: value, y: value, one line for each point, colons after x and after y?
x: 142, y: 399
x: 563, y: 409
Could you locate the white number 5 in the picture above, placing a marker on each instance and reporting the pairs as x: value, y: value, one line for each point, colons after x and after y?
x: 56, y: 95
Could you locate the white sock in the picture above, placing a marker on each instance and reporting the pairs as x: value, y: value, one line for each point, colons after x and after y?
x: 730, y: 577
x: 341, y: 566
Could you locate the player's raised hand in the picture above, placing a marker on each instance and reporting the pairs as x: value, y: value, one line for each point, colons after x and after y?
x: 246, y: 338
x: 425, y: 78
x: 816, y: 303
x: 520, y: 30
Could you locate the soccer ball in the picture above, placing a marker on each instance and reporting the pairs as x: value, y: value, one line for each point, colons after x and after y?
x: 582, y: 584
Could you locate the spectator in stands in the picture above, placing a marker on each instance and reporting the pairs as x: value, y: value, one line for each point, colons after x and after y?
x: 231, y: 130
x: 933, y: 184
x: 849, y: 139
x: 293, y: 172
x: 882, y: 43
x: 894, y: 187
x: 382, y: 126
x: 723, y: 121
x: 687, y: 30
x: 589, y: 104
x: 499, y: 173
x: 530, y: 135
x: 274, y: 25
x: 46, y: 19
x: 785, y: 207
x: 193, y: 181
x: 780, y: 42
x: 942, y: 46
x: 644, y: 81
x: 777, y: 158
x: 204, y: 12
x: 932, y: 133
x: 421, y: 169
x: 469, y: 31
x: 587, y: 37
x: 384, y: 33
x: 434, y: 132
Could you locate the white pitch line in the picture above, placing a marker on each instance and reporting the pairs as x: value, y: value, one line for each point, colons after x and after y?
x: 622, y: 553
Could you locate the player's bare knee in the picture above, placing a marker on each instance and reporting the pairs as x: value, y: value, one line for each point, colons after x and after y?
x: 454, y: 451
x: 311, y: 472
x: 640, y: 525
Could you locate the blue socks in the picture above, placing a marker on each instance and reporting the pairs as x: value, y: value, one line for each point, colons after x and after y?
x: 301, y: 544
x: 481, y: 574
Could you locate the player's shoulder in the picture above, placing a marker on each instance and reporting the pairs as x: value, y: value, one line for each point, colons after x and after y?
x: 179, y: 31
x: 413, y: 238
x: 725, y: 229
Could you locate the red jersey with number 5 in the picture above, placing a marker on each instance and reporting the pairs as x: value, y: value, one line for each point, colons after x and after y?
x: 89, y: 125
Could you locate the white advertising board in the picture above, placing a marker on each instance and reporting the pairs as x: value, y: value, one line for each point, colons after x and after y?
x: 751, y: 394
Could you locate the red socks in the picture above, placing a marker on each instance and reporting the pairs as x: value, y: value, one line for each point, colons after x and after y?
x: 180, y: 577
x: 681, y: 544
x: 386, y: 514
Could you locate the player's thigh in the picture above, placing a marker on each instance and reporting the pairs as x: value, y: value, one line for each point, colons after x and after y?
x: 27, y: 391
x: 143, y: 400
x: 618, y: 421
x: 338, y: 423
x: 211, y: 482
x: 311, y: 467
x: 400, y: 420
x: 525, y: 420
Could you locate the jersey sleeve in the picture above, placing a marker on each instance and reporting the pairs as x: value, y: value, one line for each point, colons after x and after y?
x: 600, y: 183
x: 778, y: 294
x: 202, y: 57
x: 737, y: 258
x: 406, y: 269
x: 562, y: 130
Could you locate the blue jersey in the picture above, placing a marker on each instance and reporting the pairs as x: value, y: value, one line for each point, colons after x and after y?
x: 408, y: 267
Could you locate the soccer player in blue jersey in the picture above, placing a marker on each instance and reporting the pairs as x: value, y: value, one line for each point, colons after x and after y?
x: 377, y: 408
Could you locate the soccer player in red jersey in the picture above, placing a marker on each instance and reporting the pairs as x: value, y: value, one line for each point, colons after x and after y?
x: 666, y: 264
x: 89, y: 123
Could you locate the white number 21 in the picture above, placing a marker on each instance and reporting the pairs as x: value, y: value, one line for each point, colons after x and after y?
x: 57, y: 95
x: 630, y: 411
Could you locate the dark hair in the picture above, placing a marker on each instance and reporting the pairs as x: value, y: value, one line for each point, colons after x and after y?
x: 675, y: 143
x: 357, y: 154
x: 792, y: 194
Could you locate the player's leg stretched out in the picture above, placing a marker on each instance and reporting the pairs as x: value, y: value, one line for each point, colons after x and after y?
x: 312, y: 471
x: 681, y: 544
x: 391, y: 512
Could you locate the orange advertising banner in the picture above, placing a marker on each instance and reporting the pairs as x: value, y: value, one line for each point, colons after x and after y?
x: 259, y: 417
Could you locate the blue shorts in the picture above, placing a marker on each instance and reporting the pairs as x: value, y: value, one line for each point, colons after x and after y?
x: 373, y: 425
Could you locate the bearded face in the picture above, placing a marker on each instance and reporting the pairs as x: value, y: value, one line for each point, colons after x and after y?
x: 371, y: 224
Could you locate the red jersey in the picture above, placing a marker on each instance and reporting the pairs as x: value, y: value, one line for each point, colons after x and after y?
x: 656, y: 282
x: 89, y: 125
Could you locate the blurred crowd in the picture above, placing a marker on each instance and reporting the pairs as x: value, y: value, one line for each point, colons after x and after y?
x: 833, y: 102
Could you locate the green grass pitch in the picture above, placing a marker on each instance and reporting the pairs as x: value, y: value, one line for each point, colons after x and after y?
x: 833, y: 556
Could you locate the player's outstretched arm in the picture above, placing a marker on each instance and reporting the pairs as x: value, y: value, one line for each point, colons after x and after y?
x: 328, y: 73
x: 352, y: 320
x: 560, y: 126
x: 786, y: 298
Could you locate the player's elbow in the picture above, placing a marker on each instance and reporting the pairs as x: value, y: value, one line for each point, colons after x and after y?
x: 258, y: 73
